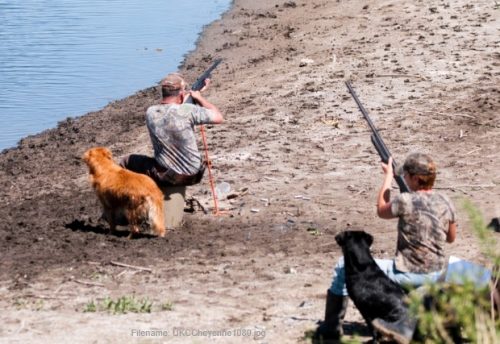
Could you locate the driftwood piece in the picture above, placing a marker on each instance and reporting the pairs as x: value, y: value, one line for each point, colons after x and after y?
x: 92, y: 284
x: 131, y: 266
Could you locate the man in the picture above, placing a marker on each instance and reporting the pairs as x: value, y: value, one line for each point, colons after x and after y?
x: 426, y: 220
x: 177, y: 161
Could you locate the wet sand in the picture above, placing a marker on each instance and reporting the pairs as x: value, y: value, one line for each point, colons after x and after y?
x: 427, y: 72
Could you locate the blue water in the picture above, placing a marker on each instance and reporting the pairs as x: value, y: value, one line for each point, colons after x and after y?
x: 64, y: 58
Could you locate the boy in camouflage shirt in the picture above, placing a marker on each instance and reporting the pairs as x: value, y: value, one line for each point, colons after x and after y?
x: 426, y: 220
x: 426, y: 217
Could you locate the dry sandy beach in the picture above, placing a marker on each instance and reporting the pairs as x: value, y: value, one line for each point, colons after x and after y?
x: 294, y: 148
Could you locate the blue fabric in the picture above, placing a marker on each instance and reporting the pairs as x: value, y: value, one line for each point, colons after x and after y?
x: 460, y: 271
x: 405, y: 279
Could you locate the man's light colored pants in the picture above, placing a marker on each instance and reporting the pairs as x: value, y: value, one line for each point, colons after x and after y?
x: 405, y: 279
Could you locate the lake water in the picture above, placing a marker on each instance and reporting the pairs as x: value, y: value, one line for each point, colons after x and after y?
x: 64, y: 58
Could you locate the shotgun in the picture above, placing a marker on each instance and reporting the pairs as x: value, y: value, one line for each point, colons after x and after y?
x: 377, y: 141
x: 200, y: 82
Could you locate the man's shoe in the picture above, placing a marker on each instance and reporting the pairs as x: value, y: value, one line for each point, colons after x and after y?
x: 330, y: 330
x: 401, y: 331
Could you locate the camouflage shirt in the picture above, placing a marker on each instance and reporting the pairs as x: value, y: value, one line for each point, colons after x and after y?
x: 171, y: 128
x: 422, y: 229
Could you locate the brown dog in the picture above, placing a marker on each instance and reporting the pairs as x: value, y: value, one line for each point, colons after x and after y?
x: 124, y: 193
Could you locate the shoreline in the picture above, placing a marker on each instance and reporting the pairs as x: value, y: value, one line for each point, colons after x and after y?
x: 101, y: 103
x: 293, y: 139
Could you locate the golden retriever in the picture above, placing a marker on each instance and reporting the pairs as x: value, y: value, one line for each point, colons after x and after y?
x: 124, y: 193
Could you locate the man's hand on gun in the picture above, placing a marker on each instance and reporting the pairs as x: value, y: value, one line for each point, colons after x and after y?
x: 206, y: 83
x: 196, y: 95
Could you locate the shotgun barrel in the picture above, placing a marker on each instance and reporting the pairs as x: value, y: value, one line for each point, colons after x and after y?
x: 377, y: 141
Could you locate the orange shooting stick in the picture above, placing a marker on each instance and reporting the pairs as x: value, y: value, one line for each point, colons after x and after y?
x: 209, y: 167
x: 198, y: 85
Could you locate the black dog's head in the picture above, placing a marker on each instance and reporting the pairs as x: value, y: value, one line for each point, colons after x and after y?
x: 495, y: 224
x: 360, y: 237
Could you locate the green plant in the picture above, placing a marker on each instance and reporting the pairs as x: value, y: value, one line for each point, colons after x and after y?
x: 487, y: 240
x: 167, y: 306
x: 122, y: 305
x: 309, y: 335
x: 20, y: 303
x: 90, y: 307
x: 451, y: 307
x: 36, y: 305
x: 126, y: 304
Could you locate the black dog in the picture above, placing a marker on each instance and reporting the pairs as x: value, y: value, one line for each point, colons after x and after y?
x: 495, y: 224
x: 373, y: 293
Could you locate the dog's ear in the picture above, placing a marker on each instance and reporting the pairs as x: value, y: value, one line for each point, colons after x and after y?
x: 495, y: 224
x: 368, y: 238
x: 102, y: 152
x: 86, y: 155
x: 107, y: 153
x: 339, y: 238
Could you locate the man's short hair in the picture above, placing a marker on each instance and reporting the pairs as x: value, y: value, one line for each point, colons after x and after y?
x: 172, y: 85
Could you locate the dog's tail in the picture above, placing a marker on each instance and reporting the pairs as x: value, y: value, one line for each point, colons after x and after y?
x: 156, y: 217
